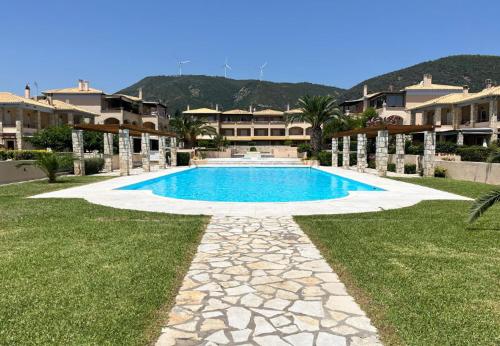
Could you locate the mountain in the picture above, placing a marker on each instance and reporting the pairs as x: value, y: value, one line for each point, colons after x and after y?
x: 471, y: 70
x: 205, y: 91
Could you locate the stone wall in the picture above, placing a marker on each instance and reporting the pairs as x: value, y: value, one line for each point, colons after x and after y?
x: 481, y: 172
x: 10, y: 173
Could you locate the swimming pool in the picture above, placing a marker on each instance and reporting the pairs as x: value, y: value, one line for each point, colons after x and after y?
x: 252, y: 184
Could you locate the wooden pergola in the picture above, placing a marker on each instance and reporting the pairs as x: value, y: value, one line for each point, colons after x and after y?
x: 124, y: 131
x: 381, y: 133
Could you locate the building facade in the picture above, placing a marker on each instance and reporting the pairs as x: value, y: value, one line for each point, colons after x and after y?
x: 114, y: 108
x: 263, y: 127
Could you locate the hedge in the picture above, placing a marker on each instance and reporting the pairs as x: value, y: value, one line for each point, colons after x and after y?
x: 93, y: 165
x: 183, y: 159
x: 474, y: 153
x: 20, y: 154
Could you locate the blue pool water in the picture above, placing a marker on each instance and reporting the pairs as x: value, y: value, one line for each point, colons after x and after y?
x: 252, y: 184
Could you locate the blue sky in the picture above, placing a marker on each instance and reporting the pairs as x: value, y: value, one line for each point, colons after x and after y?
x: 115, y: 43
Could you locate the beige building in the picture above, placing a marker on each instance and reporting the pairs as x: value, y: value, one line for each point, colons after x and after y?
x: 113, y: 108
x: 396, y: 103
x: 263, y: 127
x: 21, y: 117
x: 467, y: 118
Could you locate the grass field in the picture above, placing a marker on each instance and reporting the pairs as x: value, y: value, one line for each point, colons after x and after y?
x: 74, y: 273
x: 422, y: 273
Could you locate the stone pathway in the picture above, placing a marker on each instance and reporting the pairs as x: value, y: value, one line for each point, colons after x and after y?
x: 260, y: 281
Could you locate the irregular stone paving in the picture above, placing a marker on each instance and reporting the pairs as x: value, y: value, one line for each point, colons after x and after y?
x: 260, y: 281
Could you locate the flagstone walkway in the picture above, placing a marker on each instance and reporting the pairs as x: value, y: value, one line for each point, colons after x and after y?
x: 260, y: 281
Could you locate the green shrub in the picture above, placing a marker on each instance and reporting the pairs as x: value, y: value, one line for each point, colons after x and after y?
x: 414, y: 148
x: 93, y: 165
x: 410, y: 169
x: 20, y: 154
x: 474, y: 153
x: 446, y: 147
x: 391, y: 167
x: 66, y: 163
x: 183, y: 159
x: 372, y: 164
x: 305, y: 148
x: 440, y: 172
x: 325, y: 158
x: 353, y: 160
x: 253, y: 149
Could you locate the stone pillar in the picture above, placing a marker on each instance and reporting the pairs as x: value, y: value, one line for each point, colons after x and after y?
x: 382, y: 152
x: 362, y: 162
x: 79, y: 161
x: 173, y: 152
x: 458, y: 116
x: 19, y: 129
x: 38, y: 120
x: 346, y: 150
x: 400, y: 153
x: 335, y: 152
x: 429, y: 153
x: 108, y: 152
x: 124, y: 151
x: 2, y: 112
x: 473, y: 114
x: 145, y: 145
x: 460, y: 138
x: 494, y: 120
x: 162, y: 148
x: 454, y: 122
x: 437, y: 116
x: 71, y: 119
x: 131, y: 153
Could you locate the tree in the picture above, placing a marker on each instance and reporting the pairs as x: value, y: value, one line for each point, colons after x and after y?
x: 48, y: 162
x: 483, y: 203
x: 319, y: 111
x: 188, y: 128
x: 220, y: 142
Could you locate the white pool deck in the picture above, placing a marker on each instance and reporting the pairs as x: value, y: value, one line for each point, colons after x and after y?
x: 396, y: 195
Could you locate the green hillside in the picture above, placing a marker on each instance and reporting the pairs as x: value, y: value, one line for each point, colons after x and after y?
x: 471, y: 70
x: 206, y: 91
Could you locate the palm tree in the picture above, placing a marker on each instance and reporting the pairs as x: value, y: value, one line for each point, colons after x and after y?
x: 318, y: 111
x: 483, y: 203
x: 48, y: 162
x: 486, y: 201
x: 188, y: 128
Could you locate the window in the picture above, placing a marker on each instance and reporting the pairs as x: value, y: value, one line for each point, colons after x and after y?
x: 227, y: 132
x: 261, y: 132
x: 244, y: 132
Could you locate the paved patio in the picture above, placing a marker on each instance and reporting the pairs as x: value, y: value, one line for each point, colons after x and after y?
x: 260, y: 281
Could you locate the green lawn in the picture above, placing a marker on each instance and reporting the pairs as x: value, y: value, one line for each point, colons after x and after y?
x: 422, y: 273
x: 74, y: 273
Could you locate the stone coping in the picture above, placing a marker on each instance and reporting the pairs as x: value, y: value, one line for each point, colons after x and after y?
x: 396, y: 195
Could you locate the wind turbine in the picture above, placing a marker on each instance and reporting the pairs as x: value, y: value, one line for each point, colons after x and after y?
x: 262, y: 70
x: 180, y: 63
x: 226, y: 67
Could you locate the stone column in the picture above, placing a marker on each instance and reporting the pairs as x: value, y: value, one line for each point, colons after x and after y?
x: 173, y: 152
x: 382, y: 152
x: 400, y: 153
x: 71, y: 119
x: 145, y: 145
x: 124, y: 151
x: 79, y: 161
x: 346, y: 150
x: 460, y: 138
x: 335, y: 152
x: 131, y: 153
x: 458, y: 116
x: 494, y: 120
x: 362, y: 162
x: 453, y: 112
x: 19, y: 129
x: 473, y: 114
x: 162, y: 148
x: 437, y: 116
x: 429, y: 153
x: 2, y: 112
x: 108, y: 152
x: 38, y: 120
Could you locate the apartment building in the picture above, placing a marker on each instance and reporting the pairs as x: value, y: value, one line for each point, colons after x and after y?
x: 22, y: 116
x: 396, y: 103
x: 113, y: 108
x: 262, y: 127
x: 467, y: 118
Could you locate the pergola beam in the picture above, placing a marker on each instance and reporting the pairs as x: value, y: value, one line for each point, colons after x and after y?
x: 392, y: 129
x: 135, y: 131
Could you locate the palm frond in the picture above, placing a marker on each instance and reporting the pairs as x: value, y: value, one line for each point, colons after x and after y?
x: 483, y: 203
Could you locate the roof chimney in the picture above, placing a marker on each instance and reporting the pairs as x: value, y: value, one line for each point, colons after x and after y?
x: 466, y: 89
x: 427, y: 81
x: 391, y: 87
x: 287, y: 107
x: 80, y: 84
x: 488, y: 83
x: 217, y: 107
x: 365, y: 90
x: 86, y: 85
x: 188, y: 107
x: 140, y: 93
x: 27, y: 91
x: 250, y: 108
